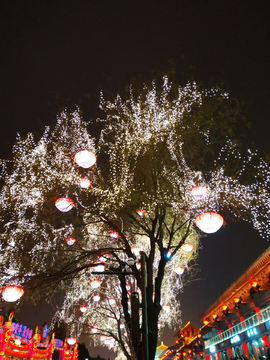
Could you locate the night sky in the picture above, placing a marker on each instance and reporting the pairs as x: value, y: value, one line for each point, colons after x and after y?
x: 60, y: 53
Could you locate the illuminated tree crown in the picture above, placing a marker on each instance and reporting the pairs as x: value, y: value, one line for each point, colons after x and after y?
x: 140, y: 197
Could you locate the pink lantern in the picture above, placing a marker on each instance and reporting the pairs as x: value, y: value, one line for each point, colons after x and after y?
x: 179, y: 270
x: 12, y: 293
x: 187, y: 247
x: 64, y: 204
x: 83, y: 308
x: 71, y: 340
x: 209, y: 222
x: 84, y: 183
x: 70, y: 241
x: 85, y: 158
x: 199, y: 192
x: 96, y: 297
x: 95, y: 283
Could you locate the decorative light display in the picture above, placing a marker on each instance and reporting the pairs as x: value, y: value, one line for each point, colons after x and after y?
x: 224, y: 307
x: 100, y: 266
x: 253, y: 283
x: 70, y: 241
x: 85, y: 183
x: 206, y: 322
x: 141, y: 212
x: 209, y: 222
x: 64, y: 204
x: 166, y: 308
x: 179, y: 270
x: 71, y: 340
x: 111, y: 301
x: 159, y: 325
x: 96, y: 297
x: 199, y: 192
x: 12, y: 293
x: 94, y: 329
x: 187, y: 247
x: 85, y: 158
x: 114, y: 234
x: 145, y: 168
x: 136, y: 251
x: 103, y: 337
x: 83, y: 308
x: 236, y: 299
x: 95, y: 283
x: 214, y: 316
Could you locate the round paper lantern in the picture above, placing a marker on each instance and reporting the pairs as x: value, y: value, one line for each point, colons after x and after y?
x: 94, y: 329
x: 187, y: 247
x: 209, y: 222
x: 224, y: 307
x: 12, y: 293
x: 84, y: 183
x: 85, y: 158
x: 83, y: 309
x: 179, y: 270
x: 135, y: 250
x: 70, y: 241
x: 71, y: 340
x: 111, y: 301
x: 64, y: 204
x: 199, y: 192
x: 95, y: 283
x: 253, y: 283
x: 96, y: 297
x: 166, y: 308
x: 99, y: 266
x: 103, y: 337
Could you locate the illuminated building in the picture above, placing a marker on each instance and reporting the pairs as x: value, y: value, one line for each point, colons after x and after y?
x: 238, y: 323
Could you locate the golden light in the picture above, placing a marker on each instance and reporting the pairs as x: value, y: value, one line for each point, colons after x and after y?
x: 85, y: 183
x: 12, y: 293
x: 102, y: 337
x: 85, y: 158
x: 199, y: 335
x: 201, y: 353
x: 95, y: 283
x: 199, y: 192
x: 189, y: 351
x: 64, y: 204
x: 70, y: 241
x: 183, y: 353
x: 179, y: 270
x: 214, y: 316
x: 135, y: 250
x: 83, y: 308
x: 253, y: 283
x: 209, y: 222
x: 206, y: 322
x: 96, y: 298
x: 71, y: 340
x: 187, y: 247
x: 236, y: 299
x: 224, y: 307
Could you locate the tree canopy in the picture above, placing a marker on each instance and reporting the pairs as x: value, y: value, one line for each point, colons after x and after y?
x: 151, y: 151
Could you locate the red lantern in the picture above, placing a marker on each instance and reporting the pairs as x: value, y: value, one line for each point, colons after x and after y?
x: 12, y: 293
x: 224, y: 307
x: 214, y: 316
x: 83, y: 309
x: 95, y: 283
x: 85, y: 158
x: 64, y: 204
x: 236, y: 299
x: 84, y: 183
x: 209, y: 222
x: 70, y: 241
x: 187, y: 247
x: 96, y: 297
x: 135, y: 250
x: 253, y: 283
x: 179, y: 270
x: 103, y: 337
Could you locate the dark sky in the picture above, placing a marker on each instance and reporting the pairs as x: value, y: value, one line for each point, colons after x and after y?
x: 61, y: 52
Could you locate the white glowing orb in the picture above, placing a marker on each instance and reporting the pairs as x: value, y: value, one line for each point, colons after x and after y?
x: 103, y: 337
x: 85, y: 183
x: 166, y: 308
x: 94, y: 329
x: 187, y: 247
x: 71, y: 340
x: 100, y: 266
x: 64, y: 204
x: 70, y: 241
x: 83, y: 309
x: 12, y: 293
x: 95, y: 283
x: 179, y: 270
x: 96, y: 298
x: 111, y: 301
x: 199, y: 192
x: 209, y: 222
x: 85, y: 158
x: 114, y: 234
x: 136, y: 250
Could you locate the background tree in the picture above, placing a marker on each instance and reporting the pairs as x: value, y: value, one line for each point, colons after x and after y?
x: 147, y: 163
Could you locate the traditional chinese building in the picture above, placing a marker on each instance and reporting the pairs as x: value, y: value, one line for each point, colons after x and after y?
x: 238, y: 323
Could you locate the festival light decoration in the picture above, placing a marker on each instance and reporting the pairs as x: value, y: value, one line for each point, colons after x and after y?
x: 214, y: 316
x: 179, y: 270
x: 83, y: 308
x: 96, y: 297
x: 12, y: 293
x: 114, y: 234
x: 102, y: 337
x: 85, y: 158
x: 199, y: 192
x: 209, y: 222
x: 71, y: 340
x: 95, y: 283
x: 94, y: 329
x: 85, y: 183
x: 64, y: 204
x: 206, y: 322
x: 236, y: 299
x: 253, y: 283
x: 136, y: 251
x: 166, y: 308
x: 99, y: 266
x: 111, y: 301
x: 224, y: 307
x: 141, y: 212
x: 187, y: 247
x: 70, y: 241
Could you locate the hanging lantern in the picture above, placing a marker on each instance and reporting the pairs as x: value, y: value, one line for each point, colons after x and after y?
x: 103, y: 337
x: 224, y: 307
x: 70, y: 241
x: 111, y: 301
x: 201, y: 353
x: 179, y: 270
x: 64, y: 204
x: 141, y: 212
x: 253, y: 283
x: 206, y: 322
x: 166, y: 308
x: 107, y: 341
x: 114, y: 234
x: 118, y: 288
x: 187, y: 247
x: 85, y: 158
x: 99, y: 266
x: 199, y: 192
x: 71, y: 340
x: 96, y: 297
x: 12, y: 293
x: 83, y: 308
x: 94, y: 329
x: 214, y: 316
x: 136, y: 251
x: 209, y: 222
x: 85, y: 182
x: 236, y: 299
x: 103, y: 257
x: 159, y: 325
x: 122, y: 326
x: 95, y: 283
